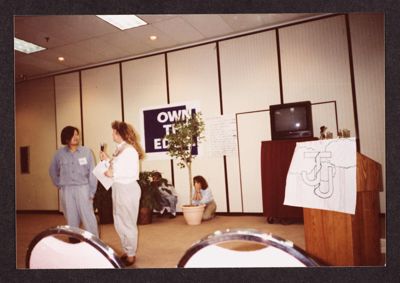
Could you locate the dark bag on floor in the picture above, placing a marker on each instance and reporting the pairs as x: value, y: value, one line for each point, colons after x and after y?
x: 103, y: 204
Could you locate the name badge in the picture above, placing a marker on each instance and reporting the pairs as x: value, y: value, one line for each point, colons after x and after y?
x: 82, y: 161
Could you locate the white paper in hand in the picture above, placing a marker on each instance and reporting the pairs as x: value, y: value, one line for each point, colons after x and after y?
x: 99, y: 170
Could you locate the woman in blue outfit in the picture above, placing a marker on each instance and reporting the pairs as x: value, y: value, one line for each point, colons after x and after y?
x: 203, y: 195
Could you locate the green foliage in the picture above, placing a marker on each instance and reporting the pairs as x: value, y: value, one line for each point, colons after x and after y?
x: 181, y: 140
x: 150, y: 194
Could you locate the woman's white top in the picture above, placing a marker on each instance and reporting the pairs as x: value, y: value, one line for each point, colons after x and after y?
x: 126, y: 164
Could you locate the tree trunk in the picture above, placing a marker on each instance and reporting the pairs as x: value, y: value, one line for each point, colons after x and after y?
x: 189, y: 166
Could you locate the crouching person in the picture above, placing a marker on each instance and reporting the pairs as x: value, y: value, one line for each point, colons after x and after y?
x: 203, y: 195
x: 168, y: 194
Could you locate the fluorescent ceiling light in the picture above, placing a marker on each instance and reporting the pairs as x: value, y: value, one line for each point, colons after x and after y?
x: 26, y: 47
x: 123, y: 21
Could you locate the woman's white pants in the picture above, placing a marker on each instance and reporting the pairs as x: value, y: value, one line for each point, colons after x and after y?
x: 126, y: 199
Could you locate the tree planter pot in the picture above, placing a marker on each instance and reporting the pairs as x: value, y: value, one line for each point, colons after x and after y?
x: 145, y: 216
x: 193, y: 214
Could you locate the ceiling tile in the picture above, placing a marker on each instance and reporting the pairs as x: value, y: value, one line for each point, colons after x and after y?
x: 74, y: 55
x: 60, y: 30
x: 178, y: 29
x: 210, y: 26
x: 35, y: 66
x: 52, y: 55
x: 142, y: 34
x: 156, y: 18
x: 127, y: 44
x: 242, y: 22
x: 276, y: 19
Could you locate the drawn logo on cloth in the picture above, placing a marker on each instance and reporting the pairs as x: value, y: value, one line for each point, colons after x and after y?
x: 322, y: 175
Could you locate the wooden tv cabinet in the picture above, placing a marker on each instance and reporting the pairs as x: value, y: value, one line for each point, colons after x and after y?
x: 276, y: 157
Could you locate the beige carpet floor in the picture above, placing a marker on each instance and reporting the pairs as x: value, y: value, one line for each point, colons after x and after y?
x: 162, y: 243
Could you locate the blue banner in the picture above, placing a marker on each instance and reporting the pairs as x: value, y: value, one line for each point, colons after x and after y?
x: 159, y: 122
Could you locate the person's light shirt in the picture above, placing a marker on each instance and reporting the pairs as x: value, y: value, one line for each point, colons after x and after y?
x: 126, y: 165
x: 73, y: 168
x: 167, y: 190
x: 206, y: 197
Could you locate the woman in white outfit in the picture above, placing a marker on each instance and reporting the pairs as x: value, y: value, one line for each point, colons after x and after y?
x: 124, y: 169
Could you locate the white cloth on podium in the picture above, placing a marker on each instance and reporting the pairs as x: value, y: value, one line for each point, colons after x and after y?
x: 322, y: 175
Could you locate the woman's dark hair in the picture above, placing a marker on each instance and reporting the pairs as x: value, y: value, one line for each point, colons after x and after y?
x: 201, y: 180
x: 67, y: 133
x: 156, y: 174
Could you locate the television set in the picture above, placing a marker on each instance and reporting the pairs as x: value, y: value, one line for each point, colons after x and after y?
x: 291, y: 120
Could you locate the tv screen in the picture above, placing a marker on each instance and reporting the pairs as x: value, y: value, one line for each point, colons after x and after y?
x: 291, y: 120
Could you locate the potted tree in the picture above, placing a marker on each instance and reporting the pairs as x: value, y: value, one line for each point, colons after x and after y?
x: 149, y: 199
x: 185, y: 134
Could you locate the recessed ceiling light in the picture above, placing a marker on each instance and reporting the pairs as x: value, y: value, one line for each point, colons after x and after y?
x: 60, y: 59
x: 153, y: 37
x: 25, y: 46
x: 123, y: 21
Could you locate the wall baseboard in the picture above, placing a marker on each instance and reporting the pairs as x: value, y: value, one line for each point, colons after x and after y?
x: 38, y: 212
x: 178, y: 213
x: 230, y: 213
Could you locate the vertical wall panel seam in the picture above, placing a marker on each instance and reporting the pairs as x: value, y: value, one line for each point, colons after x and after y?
x: 122, y: 92
x: 337, y: 120
x: 166, y: 77
x: 81, y: 106
x: 168, y: 102
x: 55, y: 119
x: 55, y: 107
x: 222, y: 112
x: 172, y: 172
x: 278, y: 54
x: 240, y: 169
x: 221, y: 106
x: 353, y: 87
x: 226, y: 185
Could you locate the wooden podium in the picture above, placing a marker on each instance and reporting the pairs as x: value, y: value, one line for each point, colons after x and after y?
x: 341, y: 239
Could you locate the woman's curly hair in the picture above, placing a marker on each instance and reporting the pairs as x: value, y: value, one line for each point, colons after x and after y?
x: 129, y: 135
